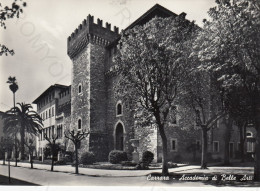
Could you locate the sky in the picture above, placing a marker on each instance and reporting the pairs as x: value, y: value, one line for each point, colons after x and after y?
x: 39, y: 38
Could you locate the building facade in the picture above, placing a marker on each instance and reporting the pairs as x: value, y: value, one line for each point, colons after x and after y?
x: 90, y: 104
x: 53, y: 105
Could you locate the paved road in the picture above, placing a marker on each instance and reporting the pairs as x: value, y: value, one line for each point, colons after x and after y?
x: 103, y: 172
x: 48, y: 178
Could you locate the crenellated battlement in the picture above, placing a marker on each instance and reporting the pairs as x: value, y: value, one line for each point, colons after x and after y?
x: 90, y: 32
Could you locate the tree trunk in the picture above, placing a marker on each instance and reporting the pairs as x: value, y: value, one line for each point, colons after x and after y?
x: 52, y: 159
x: 164, y: 147
x: 77, y: 163
x: 257, y: 152
x: 164, y: 144
x: 15, y: 152
x: 22, y: 132
x: 31, y: 160
x: 228, y: 125
x: 164, y: 158
x: 256, y: 115
x: 204, y: 148
x: 242, y: 127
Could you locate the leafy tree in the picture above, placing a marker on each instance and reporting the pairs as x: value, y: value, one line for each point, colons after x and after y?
x: 150, y: 60
x: 6, y: 145
x: 8, y: 13
x: 13, y: 135
x: 238, y: 106
x: 229, y: 42
x: 25, y: 119
x: 199, y: 106
x: 76, y: 139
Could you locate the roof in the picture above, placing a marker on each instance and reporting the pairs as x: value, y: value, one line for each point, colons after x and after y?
x: 52, y: 87
x: 156, y: 10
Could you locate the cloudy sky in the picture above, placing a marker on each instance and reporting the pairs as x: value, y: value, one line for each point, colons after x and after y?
x: 39, y: 38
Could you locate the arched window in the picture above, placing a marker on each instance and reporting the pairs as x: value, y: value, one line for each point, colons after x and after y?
x: 249, y: 134
x: 119, y: 108
x: 79, y: 124
x: 80, y: 88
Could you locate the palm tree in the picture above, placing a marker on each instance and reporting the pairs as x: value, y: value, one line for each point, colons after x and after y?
x: 23, y: 118
x: 13, y: 86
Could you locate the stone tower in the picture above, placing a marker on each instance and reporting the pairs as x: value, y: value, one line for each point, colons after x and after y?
x: 87, y: 50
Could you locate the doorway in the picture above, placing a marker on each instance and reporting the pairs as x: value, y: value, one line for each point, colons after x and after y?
x: 119, y: 137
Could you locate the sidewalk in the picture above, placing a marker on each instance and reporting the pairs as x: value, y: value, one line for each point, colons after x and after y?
x: 48, y: 178
x: 101, y: 172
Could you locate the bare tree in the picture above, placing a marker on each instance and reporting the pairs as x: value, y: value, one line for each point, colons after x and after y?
x: 76, y: 139
x: 53, y: 146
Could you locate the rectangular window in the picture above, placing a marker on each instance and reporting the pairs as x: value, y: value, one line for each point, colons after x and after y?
x: 52, y: 111
x: 61, y: 132
x: 46, y: 115
x: 173, y: 144
x: 215, y: 146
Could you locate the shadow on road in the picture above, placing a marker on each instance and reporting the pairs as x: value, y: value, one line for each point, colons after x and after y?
x: 4, y: 181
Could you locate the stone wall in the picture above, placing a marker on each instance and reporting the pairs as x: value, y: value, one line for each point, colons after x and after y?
x: 97, y: 88
x: 148, y: 138
x: 86, y: 48
x: 126, y: 119
x: 80, y: 102
x: 218, y: 134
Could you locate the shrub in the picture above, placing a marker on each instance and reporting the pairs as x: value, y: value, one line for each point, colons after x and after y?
x: 87, y: 158
x: 147, y: 157
x: 116, y: 156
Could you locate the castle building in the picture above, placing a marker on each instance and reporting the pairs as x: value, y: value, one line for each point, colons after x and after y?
x: 90, y: 104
